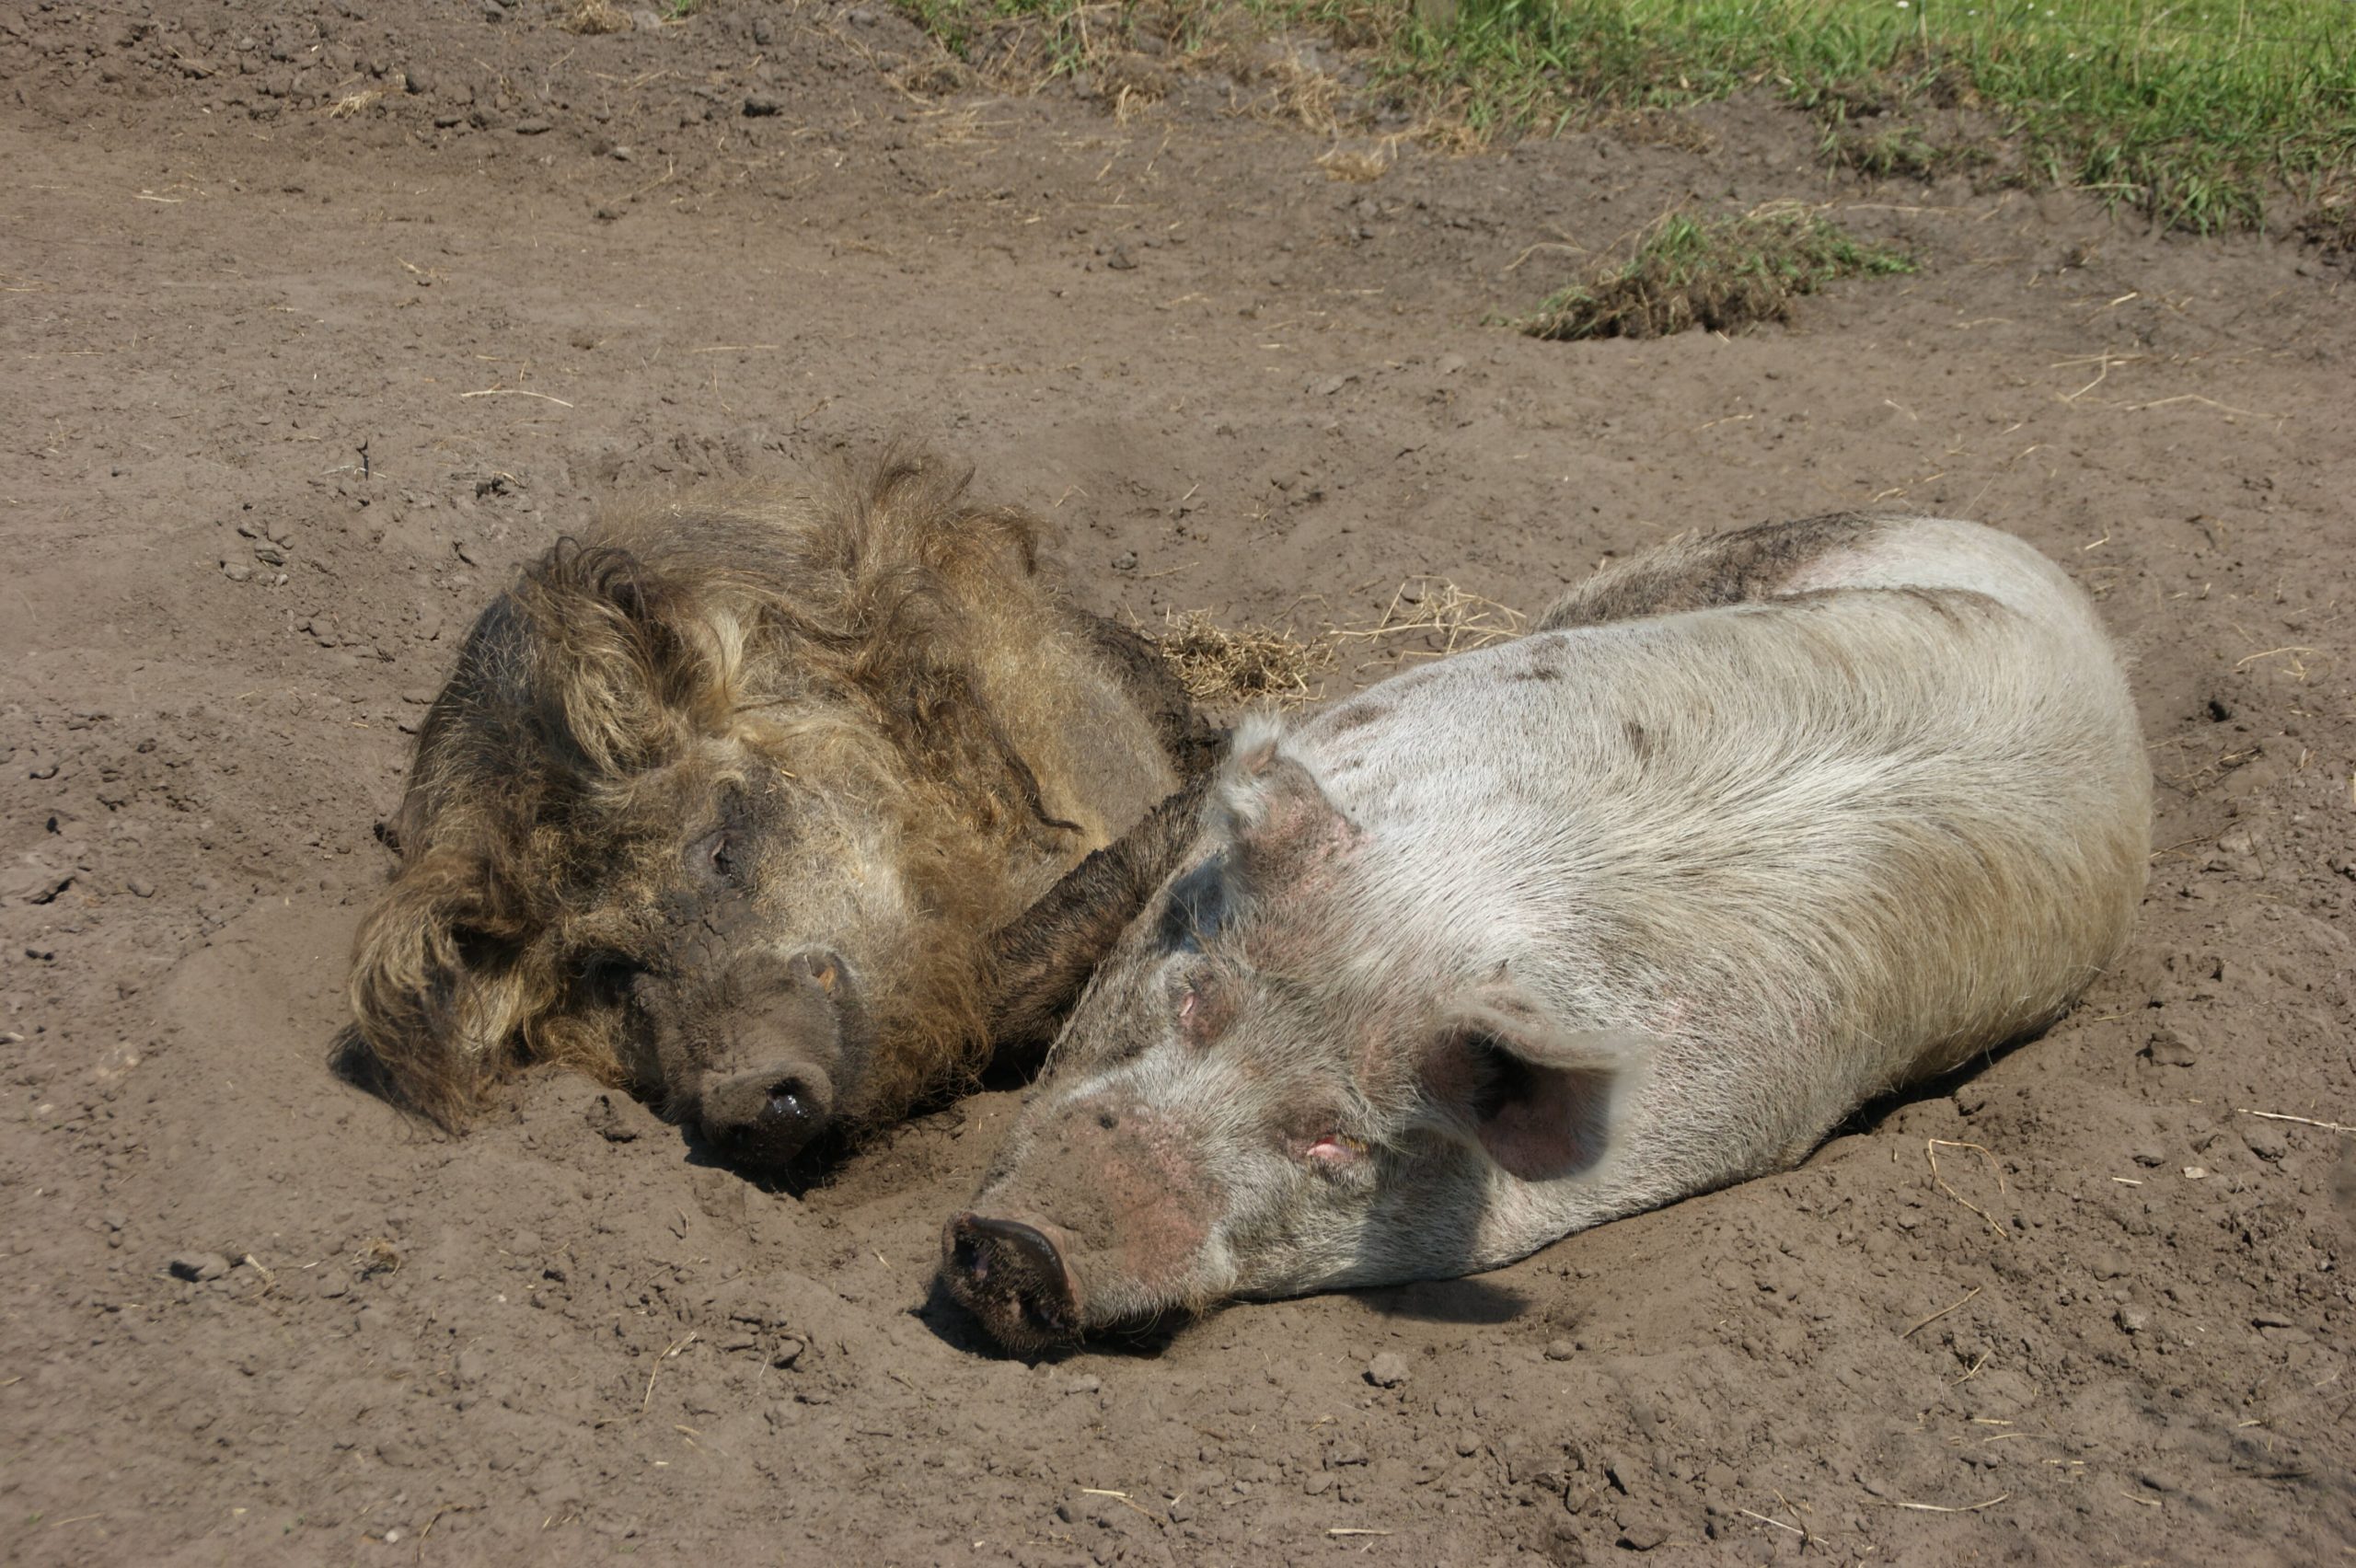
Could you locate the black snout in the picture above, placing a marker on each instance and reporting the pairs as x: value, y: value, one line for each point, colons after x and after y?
x: 1011, y: 1276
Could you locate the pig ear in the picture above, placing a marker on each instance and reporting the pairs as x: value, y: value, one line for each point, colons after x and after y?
x: 1272, y: 809
x: 1544, y: 1099
x: 436, y: 1002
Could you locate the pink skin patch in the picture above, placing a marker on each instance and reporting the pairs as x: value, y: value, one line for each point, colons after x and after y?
x: 1334, y: 1149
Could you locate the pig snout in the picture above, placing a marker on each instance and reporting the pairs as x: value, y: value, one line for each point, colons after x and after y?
x: 1012, y: 1277
x: 1134, y: 1205
x: 766, y: 1116
x: 772, y: 1058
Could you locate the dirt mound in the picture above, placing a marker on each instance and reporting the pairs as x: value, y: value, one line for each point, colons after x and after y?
x: 320, y: 317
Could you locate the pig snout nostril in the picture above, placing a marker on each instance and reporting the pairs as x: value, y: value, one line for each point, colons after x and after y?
x: 763, y: 1120
x: 1013, y: 1277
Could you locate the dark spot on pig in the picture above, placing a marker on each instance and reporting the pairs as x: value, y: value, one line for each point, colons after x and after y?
x: 1536, y: 672
x: 1732, y: 569
x: 1354, y: 716
x: 1197, y: 908
x: 1639, y: 740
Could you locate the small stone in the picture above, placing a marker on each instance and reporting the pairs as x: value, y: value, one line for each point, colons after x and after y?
x: 1387, y: 1370
x: 1121, y: 261
x: 2132, y: 1320
x: 763, y: 33
x: 1560, y: 1350
x: 760, y: 105
x: 1319, y: 1483
x: 1179, y: 1510
x: 199, y: 1267
x: 532, y: 127
x: 2169, y: 1047
x: 139, y: 887
x: 237, y: 571
x: 788, y: 1351
x: 1467, y: 1445
x: 2265, y: 1140
x: 1085, y: 1383
x: 2147, y: 1157
x: 1125, y: 561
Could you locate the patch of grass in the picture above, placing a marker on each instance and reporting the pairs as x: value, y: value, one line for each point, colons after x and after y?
x: 1902, y: 152
x: 2190, y: 110
x: 2196, y: 111
x: 1719, y: 274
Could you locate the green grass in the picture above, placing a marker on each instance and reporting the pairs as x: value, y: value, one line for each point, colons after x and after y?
x: 1718, y: 275
x: 2191, y: 111
x: 2197, y: 113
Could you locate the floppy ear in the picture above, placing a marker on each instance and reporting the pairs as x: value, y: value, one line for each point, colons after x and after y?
x: 1279, y: 818
x: 437, y: 1002
x: 1544, y: 1099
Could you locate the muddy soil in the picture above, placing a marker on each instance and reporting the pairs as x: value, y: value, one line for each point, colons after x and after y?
x: 319, y: 317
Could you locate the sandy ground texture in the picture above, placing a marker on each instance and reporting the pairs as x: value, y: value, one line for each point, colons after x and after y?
x: 319, y: 317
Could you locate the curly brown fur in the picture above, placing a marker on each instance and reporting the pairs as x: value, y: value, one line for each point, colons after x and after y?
x: 886, y: 648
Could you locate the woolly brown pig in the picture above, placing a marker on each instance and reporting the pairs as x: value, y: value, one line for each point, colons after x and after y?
x: 1750, y: 830
x: 724, y: 801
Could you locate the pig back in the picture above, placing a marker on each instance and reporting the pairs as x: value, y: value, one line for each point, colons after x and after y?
x: 1813, y: 845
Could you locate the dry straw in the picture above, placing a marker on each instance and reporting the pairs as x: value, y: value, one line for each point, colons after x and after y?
x: 592, y: 18
x: 1270, y: 666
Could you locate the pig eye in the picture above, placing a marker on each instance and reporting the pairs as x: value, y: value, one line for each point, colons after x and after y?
x: 720, y: 854
x: 609, y: 976
x: 1334, y: 1153
x: 714, y: 855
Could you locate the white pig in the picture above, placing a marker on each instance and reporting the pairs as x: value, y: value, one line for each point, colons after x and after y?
x: 1748, y: 831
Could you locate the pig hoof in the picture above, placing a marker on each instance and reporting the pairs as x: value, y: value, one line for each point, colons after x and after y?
x: 1011, y: 1276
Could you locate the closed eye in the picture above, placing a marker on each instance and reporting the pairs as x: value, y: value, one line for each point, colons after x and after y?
x: 609, y: 976
x: 720, y: 854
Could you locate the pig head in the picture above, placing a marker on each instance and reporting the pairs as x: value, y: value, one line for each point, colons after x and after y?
x: 1259, y: 1095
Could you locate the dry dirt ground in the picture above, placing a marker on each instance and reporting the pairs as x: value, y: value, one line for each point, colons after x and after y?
x: 288, y: 388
